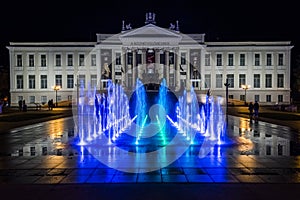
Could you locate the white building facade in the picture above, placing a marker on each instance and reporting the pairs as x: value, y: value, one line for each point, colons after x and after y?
x: 254, y: 70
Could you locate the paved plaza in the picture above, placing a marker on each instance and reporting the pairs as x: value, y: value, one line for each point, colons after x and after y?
x: 261, y: 161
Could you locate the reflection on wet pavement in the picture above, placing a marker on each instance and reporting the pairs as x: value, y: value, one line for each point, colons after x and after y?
x: 48, y: 153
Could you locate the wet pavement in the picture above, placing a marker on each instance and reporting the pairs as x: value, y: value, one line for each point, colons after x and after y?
x: 260, y: 161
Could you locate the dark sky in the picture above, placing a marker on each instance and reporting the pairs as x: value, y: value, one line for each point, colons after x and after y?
x: 44, y: 20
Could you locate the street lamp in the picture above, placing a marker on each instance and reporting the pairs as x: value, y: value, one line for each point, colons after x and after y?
x: 245, y: 87
x: 56, y: 88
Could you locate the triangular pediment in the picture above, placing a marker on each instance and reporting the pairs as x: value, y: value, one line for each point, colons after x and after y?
x: 152, y: 31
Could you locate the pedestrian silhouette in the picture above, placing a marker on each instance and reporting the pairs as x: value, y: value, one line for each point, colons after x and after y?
x: 250, y: 108
x: 256, y: 108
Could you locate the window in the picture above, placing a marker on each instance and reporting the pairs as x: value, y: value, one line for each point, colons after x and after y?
x: 230, y: 78
x: 280, y: 80
x: 19, y: 61
x: 280, y: 59
x: 93, y: 80
x: 207, y: 59
x: 269, y: 59
x: 242, y: 80
x: 268, y: 80
x: 93, y: 60
x: 118, y: 58
x: 207, y: 78
x: 82, y: 80
x: 31, y: 79
x: 43, y: 60
x: 242, y: 59
x: 230, y: 59
x: 129, y: 58
x: 20, y: 82
x: 81, y: 60
x: 31, y: 60
x: 183, y: 58
x: 70, y: 59
x: 242, y: 97
x: 256, y: 81
x: 171, y: 58
x: 43, y: 81
x: 230, y: 96
x: 268, y: 98
x: 31, y: 99
x: 70, y: 81
x: 57, y: 60
x: 280, y: 98
x: 219, y: 80
x: 43, y: 99
x: 219, y: 59
x: 58, y: 80
x: 256, y: 97
x: 256, y: 59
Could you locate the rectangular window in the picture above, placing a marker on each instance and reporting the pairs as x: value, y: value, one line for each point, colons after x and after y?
x: 93, y: 80
x: 269, y: 59
x: 81, y: 60
x: 280, y: 59
x: 19, y: 61
x: 268, y: 80
x: 43, y: 99
x: 256, y: 97
x: 43, y: 81
x: 257, y: 59
x: 118, y: 58
x: 93, y: 60
x: 57, y: 60
x: 20, y: 82
x: 230, y: 96
x: 280, y: 98
x: 31, y: 60
x: 171, y: 58
x: 183, y: 59
x: 82, y: 80
x: 31, y: 79
x: 58, y: 80
x: 242, y: 80
x: 230, y: 59
x: 207, y: 78
x: 70, y: 59
x: 242, y: 59
x: 219, y: 80
x: 207, y: 59
x: 219, y: 59
x: 268, y: 98
x: 31, y: 99
x: 43, y: 60
x: 280, y: 80
x: 129, y: 58
x: 70, y: 81
x: 242, y: 97
x: 230, y: 78
x: 256, y: 81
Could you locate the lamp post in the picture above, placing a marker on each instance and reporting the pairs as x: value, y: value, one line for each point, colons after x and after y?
x: 245, y: 87
x: 56, y: 88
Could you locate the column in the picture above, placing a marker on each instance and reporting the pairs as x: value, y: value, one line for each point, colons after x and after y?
x: 188, y: 71
x: 133, y: 66
x: 123, y: 65
x: 143, y: 61
x: 157, y: 60
x: 177, y: 69
x: 167, y: 67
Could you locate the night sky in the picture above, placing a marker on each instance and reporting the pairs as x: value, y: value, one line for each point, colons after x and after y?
x: 34, y: 21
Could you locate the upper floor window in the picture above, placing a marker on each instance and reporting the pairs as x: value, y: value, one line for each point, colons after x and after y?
x: 242, y: 80
x: 31, y: 60
x: 207, y: 78
x: 280, y: 59
x: 43, y: 60
x: 19, y: 61
x: 58, y: 80
x: 268, y: 80
x: 269, y: 59
x: 183, y: 58
x: 43, y: 81
x: 230, y: 59
x: 118, y: 58
x: 257, y: 59
x: 31, y: 79
x: 219, y: 59
x: 207, y: 59
x: 219, y: 80
x: 58, y: 60
x: 280, y: 80
x: 70, y: 59
x: 230, y: 78
x: 242, y: 59
x: 20, y: 82
x: 256, y: 81
x: 93, y: 60
x: 70, y: 81
x: 81, y: 59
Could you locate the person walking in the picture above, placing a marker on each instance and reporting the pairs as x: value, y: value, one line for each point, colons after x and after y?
x: 256, y: 108
x: 250, y: 108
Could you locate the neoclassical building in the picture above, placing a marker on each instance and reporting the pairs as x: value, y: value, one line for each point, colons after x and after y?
x: 255, y: 70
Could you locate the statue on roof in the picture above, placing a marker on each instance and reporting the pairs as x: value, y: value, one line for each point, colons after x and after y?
x: 150, y: 18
